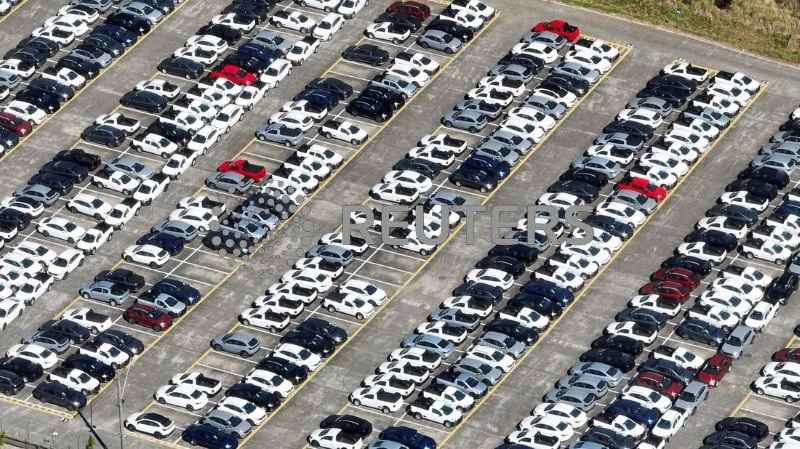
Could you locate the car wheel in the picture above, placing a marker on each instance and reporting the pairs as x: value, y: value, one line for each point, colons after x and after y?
x: 218, y: 347
x: 780, y: 262
x: 304, y: 30
x: 371, y: 35
x: 45, y: 233
x: 162, y: 70
x: 448, y: 424
x: 314, y: 443
x: 790, y: 399
x: 418, y: 416
x: 190, y: 408
x: 448, y: 50
x: 473, y: 130
x: 395, y: 41
x: 153, y: 265
x: 287, y: 144
x: 70, y: 240
x: 127, y: 319
x: 385, y: 410
x: 85, y: 295
x: 458, y: 183
x: 424, y: 44
x: 360, y: 316
x: 484, y: 190
x: 356, y: 402
x: 128, y: 259
x: 130, y: 427
x: 448, y: 123
x: 424, y: 252
x: 159, y: 435
x: 112, y: 303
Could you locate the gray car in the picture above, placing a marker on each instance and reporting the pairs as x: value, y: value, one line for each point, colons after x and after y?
x: 245, y: 226
x: 431, y: 343
x: 278, y: 132
x: 236, y: 343
x: 585, y: 382
x: 778, y: 161
x: 464, y: 382
x: 598, y: 164
x: 8, y: 79
x: 791, y: 149
x: 94, y: 55
x: 331, y: 253
x: 38, y: 192
x: 227, y: 422
x: 457, y: 318
x: 708, y: 115
x: 548, y: 38
x: 48, y: 340
x: 176, y: 228
x: 99, y: 5
x: 634, y: 200
x: 272, y: 41
x: 143, y: 11
x: 477, y: 369
x: 497, y: 150
x: 621, y: 140
x: 591, y: 76
x: 105, y: 291
x: 385, y: 444
x: 229, y: 182
x: 261, y: 216
x: 608, y: 373
x: 502, y: 343
x: 580, y: 399
x: 738, y: 341
x: 480, y: 106
x: 163, y: 302
x: 131, y: 167
x: 471, y: 121
x: 395, y: 83
x: 513, y: 72
x: 546, y: 106
x: 661, y: 106
x: 448, y: 199
x: 439, y: 40
x: 692, y: 396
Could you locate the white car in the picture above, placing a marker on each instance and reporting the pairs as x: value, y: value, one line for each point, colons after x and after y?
x: 621, y: 212
x: 523, y: 128
x: 302, y: 50
x: 377, y: 398
x: 126, y: 124
x: 726, y: 300
x: 183, y: 396
x: 67, y: 77
x: 334, y: 438
x: 343, y: 130
x: 665, y: 162
x: 645, y: 116
x: 744, y: 199
x: 467, y: 305
x: 631, y: 329
x: 328, y: 156
x: 588, y: 58
x: 490, y: 276
x: 309, y: 278
x: 730, y: 92
x: 718, y: 103
x: 525, y: 316
x: 60, y: 228
x: 723, y: 224
x: 410, y: 73
x: 90, y: 205
x: 242, y: 408
x: 703, y: 251
x: 739, y: 287
x: 393, y: 192
x: 25, y: 111
x: 590, y: 251
x: 687, y: 138
x: 417, y: 357
x: 199, y: 106
x: 647, y: 397
x: 250, y: 95
x: 463, y: 17
x: 536, y: 49
x: 58, y: 35
x: 491, y: 356
x: 264, y: 318
x: 436, y: 411
x: 66, y: 263
x: 106, y: 353
x: 151, y: 424
x: 161, y: 87
x: 298, y: 355
x: 788, y: 370
x: 349, y: 8
x: 201, y: 218
x: 208, y: 42
x: 440, y: 329
x: 716, y: 315
x: 304, y: 108
x: 409, y: 179
x: 199, y: 381
x: 10, y: 309
x: 154, y: 144
x: 276, y: 72
x: 150, y: 255
x: 571, y: 415
x: 533, y: 116
x: 739, y: 80
x: 681, y: 356
x: 234, y: 21
x: 122, y: 213
x: 36, y: 251
x: 349, y: 304
x: 177, y: 164
x: 367, y: 291
x: 269, y: 381
x: 389, y: 383
x: 579, y: 265
x: 184, y: 120
x: 328, y: 25
x: 17, y: 67
x: 207, y: 135
x: 293, y: 20
x: 418, y: 60
x: 94, y: 238
x: 761, y: 314
x: 777, y: 386
x: 70, y: 24
x: 34, y: 353
x: 75, y: 379
x: 387, y: 31
x: 149, y: 190
x: 749, y: 274
x: 297, y: 120
x: 489, y: 95
x: 670, y: 422
x: 531, y: 437
x: 227, y: 117
x: 548, y: 425
x: 399, y: 369
x: 561, y: 276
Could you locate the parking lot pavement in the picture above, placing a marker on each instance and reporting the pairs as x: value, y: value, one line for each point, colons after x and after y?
x: 25, y: 16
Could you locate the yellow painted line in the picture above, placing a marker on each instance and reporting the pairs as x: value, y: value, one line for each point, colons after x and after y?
x: 750, y: 392
x: 15, y: 9
x: 36, y: 407
x: 589, y: 284
x: 92, y: 81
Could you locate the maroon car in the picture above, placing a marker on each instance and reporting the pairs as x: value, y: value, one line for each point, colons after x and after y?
x: 787, y: 355
x: 666, y: 289
x: 680, y: 275
x: 15, y: 124
x: 147, y: 316
x: 715, y: 368
x: 658, y: 383
x: 412, y: 8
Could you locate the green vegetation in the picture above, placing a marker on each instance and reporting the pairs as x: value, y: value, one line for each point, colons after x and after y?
x: 766, y: 27
x: 90, y: 443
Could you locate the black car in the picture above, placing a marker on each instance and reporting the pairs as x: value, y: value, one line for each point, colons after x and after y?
x: 767, y: 174
x: 163, y: 6
x: 754, y: 187
x: 473, y: 179
x: 24, y: 368
x: 293, y: 373
x: 144, y: 100
x: 790, y: 125
x: 260, y: 52
x: 701, y: 331
x: 130, y: 22
x: 713, y: 237
x: 324, y: 328
x: 749, y: 426
x: 400, y: 19
x: 226, y: 33
x: 104, y: 134
x: 781, y: 288
x: 60, y: 395
x: 643, y: 315
x: 80, y: 157
x: 10, y: 383
x: 15, y: 218
x: 261, y: 398
x: 76, y: 333
x: 419, y: 165
x: 84, y: 67
x: 42, y: 100
x: 608, y: 438
x: 733, y: 211
x: 523, y: 253
x: 40, y: 44
x: 104, y: 43
x: 370, y: 108
x: 122, y: 277
x: 680, y: 83
x: 452, y: 28
x: 366, y: 53
x: 620, y: 360
x: 478, y: 290
x: 249, y: 11
x: 586, y: 176
x: 582, y: 190
x: 78, y: 173
x: 348, y: 423
x: 180, y: 66
x: 385, y: 95
x: 668, y: 369
x: 61, y: 184
x: 610, y: 225
x: 264, y: 3
x: 675, y: 97
x: 691, y: 263
x: 629, y: 127
x: 513, y: 329
x: 121, y: 340
x: 117, y: 33
x: 575, y: 85
x: 311, y: 341
x: 246, y: 62
x: 91, y: 366
x: 732, y: 439
x: 173, y: 133
x: 524, y: 60
x: 338, y: 88
x: 27, y: 54
x: 507, y: 264
x: 619, y: 343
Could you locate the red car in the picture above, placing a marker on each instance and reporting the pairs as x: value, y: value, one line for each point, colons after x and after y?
x: 715, y: 369
x: 244, y: 168
x: 670, y: 290
x: 235, y: 74
x: 147, y: 316
x: 680, y: 275
x: 416, y: 9
x: 644, y: 187
x: 559, y: 27
x: 787, y: 355
x: 15, y: 124
x: 658, y: 383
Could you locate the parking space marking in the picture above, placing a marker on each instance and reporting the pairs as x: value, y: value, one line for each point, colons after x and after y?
x: 750, y: 393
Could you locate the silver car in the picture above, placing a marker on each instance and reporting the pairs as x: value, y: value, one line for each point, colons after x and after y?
x: 105, y: 291
x: 227, y: 422
x: 580, y: 399
x: 598, y: 164
x: 144, y: 11
x: 395, y: 83
x: 431, y: 343
x: 469, y: 120
x: 478, y: 369
x: 272, y: 41
x: 546, y: 106
x: 502, y: 343
x: 163, y: 302
x: 385, y: 444
x: 657, y: 104
x: 579, y: 71
x: 236, y: 343
x: 548, y: 38
x: 439, y: 40
x: 513, y: 72
x: 48, y: 340
x: 176, y: 228
x: 245, y: 226
x: 499, y: 151
x: 692, y: 396
x: 778, y: 161
x: 9, y: 79
x: 38, y: 192
x: 608, y: 373
x: 229, y: 182
x: 585, y: 382
x: 99, y: 5
x: 510, y: 139
x: 131, y: 167
x: 738, y: 341
x: 331, y: 253
x: 94, y: 55
x: 634, y: 200
x: 261, y: 216
x: 278, y: 132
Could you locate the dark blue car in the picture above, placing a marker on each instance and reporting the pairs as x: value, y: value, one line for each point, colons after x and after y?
x: 204, y: 435
x: 633, y: 410
x: 550, y: 291
x: 181, y: 291
x: 169, y: 243
x: 259, y: 52
x: 499, y: 169
x: 117, y: 33
x: 318, y: 97
x: 409, y: 437
x: 787, y: 208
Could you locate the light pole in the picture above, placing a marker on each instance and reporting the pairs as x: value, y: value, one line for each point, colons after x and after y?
x: 55, y: 435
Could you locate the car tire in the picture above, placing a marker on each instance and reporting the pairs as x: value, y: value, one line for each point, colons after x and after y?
x: 457, y: 183
x: 71, y: 240
x: 779, y: 262
x: 424, y: 44
x: 473, y: 130
x: 360, y: 316
x: 162, y: 70
x: 153, y: 265
x: 424, y: 252
x: 128, y: 259
x: 448, y: 50
x: 396, y: 41
x: 448, y: 424
x: 418, y: 416
x: 371, y: 35
x: 304, y: 30
x: 112, y: 303
x: 448, y: 123
x: 217, y: 347
x: 790, y: 399
x: 287, y: 144
x: 190, y: 408
x: 130, y: 427
x: 385, y: 410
